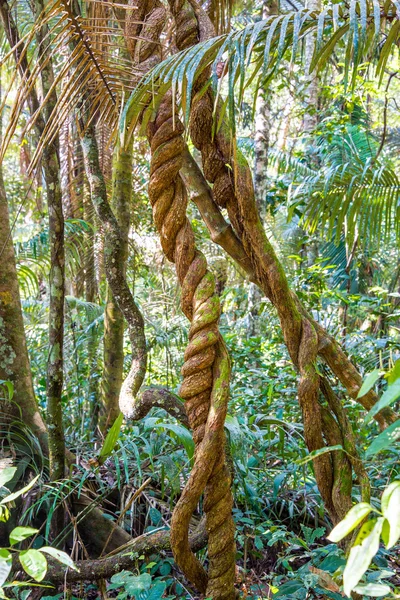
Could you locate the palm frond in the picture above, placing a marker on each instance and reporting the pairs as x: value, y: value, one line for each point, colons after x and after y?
x: 366, y: 30
x: 90, y: 64
x: 352, y: 191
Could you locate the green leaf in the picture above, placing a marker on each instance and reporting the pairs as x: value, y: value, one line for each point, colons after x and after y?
x: 353, y: 518
x: 315, y: 453
x: 5, y: 565
x: 183, y: 434
x: 375, y: 590
x: 20, y: 492
x: 394, y: 373
x: 385, y: 439
x: 111, y: 438
x: 62, y: 557
x: 390, y: 504
x: 34, y: 563
x: 156, y: 591
x: 369, y: 382
x: 6, y: 475
x: 21, y: 533
x: 362, y: 553
x: 10, y: 388
x: 387, y: 398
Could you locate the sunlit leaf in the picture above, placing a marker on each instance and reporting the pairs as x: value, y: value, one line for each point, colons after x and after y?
x: 362, y: 553
x: 62, y: 557
x: 353, y: 518
x: 21, y: 533
x: 34, y: 564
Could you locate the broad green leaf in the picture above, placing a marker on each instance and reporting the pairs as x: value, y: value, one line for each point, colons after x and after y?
x: 62, y: 557
x: 111, y: 437
x: 362, y: 553
x: 15, y: 495
x: 21, y: 533
x: 353, y: 518
x: 135, y: 585
x: 388, y: 397
x: 34, y: 563
x: 315, y: 453
x: 6, y: 475
x: 156, y: 591
x: 387, y: 494
x: 369, y: 382
x: 390, y: 504
x: 394, y: 373
x: 183, y: 434
x: 375, y: 590
x: 5, y: 565
x: 385, y: 439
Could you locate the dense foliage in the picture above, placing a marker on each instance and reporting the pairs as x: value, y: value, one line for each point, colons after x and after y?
x: 309, y: 96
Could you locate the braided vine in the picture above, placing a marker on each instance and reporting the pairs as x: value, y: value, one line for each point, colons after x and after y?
x: 233, y: 190
x: 206, y: 368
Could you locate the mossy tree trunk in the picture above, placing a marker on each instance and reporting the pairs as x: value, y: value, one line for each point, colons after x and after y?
x: 113, y: 317
x: 14, y: 359
x: 115, y: 271
x: 51, y: 170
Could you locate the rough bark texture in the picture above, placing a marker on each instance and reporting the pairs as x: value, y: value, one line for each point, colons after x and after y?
x: 206, y: 369
x: 115, y: 273
x: 56, y: 233
x: 113, y: 317
x: 104, y: 568
x: 154, y: 397
x: 223, y: 234
x: 233, y: 189
x: 14, y: 359
x: 51, y: 165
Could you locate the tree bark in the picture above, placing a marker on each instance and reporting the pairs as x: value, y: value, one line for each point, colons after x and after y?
x: 115, y: 272
x: 56, y: 231
x: 14, y: 359
x: 113, y: 317
x: 51, y: 165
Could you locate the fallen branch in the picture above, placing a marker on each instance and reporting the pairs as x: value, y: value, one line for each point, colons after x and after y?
x: 103, y: 568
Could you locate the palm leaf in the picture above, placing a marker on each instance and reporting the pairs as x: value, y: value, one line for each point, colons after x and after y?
x: 256, y: 52
x: 90, y: 64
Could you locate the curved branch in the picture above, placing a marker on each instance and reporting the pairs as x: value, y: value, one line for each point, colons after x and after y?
x: 115, y: 271
x: 154, y: 397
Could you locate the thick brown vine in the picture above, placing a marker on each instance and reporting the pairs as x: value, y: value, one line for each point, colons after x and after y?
x: 206, y: 369
x: 227, y: 170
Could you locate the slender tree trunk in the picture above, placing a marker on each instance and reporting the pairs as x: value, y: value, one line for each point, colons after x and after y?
x: 14, y: 359
x: 113, y: 241
x: 91, y: 292
x: 55, y: 375
x: 113, y: 317
x: 56, y: 233
x: 261, y: 147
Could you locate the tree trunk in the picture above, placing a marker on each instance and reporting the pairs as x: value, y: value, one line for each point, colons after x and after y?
x: 14, y: 359
x: 115, y: 272
x: 113, y: 317
x: 51, y: 166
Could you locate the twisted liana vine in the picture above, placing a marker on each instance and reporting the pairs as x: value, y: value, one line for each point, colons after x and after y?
x: 206, y: 368
x: 227, y: 170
